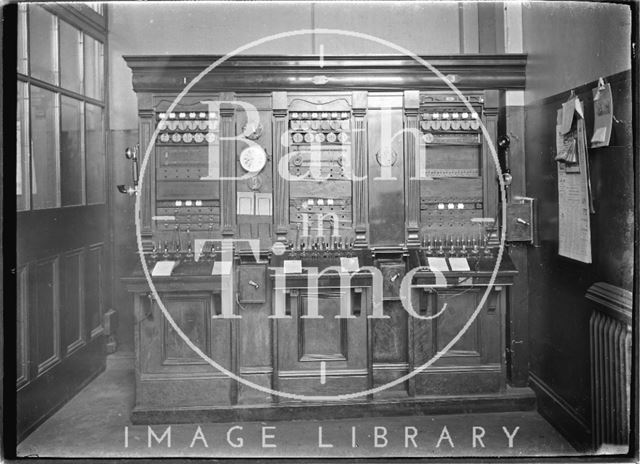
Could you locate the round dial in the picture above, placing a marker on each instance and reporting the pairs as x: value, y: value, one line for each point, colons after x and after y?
x: 387, y: 157
x: 253, y: 158
x: 253, y: 131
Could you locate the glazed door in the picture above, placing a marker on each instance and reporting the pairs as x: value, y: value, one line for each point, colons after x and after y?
x: 327, y: 355
x: 63, y: 247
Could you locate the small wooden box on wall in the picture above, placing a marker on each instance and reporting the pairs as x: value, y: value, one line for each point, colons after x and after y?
x: 521, y: 220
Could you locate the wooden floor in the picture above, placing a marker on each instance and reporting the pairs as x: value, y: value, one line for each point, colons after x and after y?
x: 95, y: 422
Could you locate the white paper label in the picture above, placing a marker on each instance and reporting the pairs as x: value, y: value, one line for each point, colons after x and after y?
x: 221, y: 268
x: 349, y: 264
x: 438, y: 264
x: 292, y: 266
x: 459, y: 264
x: 163, y: 268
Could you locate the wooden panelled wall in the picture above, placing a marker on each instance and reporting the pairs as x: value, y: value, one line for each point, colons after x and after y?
x: 62, y: 261
x: 559, y: 315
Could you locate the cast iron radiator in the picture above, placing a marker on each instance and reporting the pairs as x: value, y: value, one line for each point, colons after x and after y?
x: 610, y: 340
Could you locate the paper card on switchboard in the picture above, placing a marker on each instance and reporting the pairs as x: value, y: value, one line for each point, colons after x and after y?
x: 163, y: 268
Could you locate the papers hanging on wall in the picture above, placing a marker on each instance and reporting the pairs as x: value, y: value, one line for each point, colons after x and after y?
x: 574, y: 196
x: 603, y: 115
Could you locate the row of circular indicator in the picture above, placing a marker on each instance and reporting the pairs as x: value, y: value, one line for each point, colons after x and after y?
x: 446, y: 115
x: 191, y: 115
x: 188, y: 203
x: 187, y: 137
x: 200, y: 124
x: 323, y: 115
x: 315, y: 125
x: 450, y: 206
x: 320, y: 137
x: 450, y: 125
x: 318, y: 201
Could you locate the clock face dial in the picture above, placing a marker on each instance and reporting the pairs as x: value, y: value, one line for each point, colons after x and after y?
x: 253, y: 158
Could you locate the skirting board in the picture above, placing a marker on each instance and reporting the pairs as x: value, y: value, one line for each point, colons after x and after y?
x: 561, y: 415
x: 514, y: 399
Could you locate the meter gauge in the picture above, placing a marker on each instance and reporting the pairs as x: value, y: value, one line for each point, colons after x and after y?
x: 254, y: 182
x: 187, y: 137
x: 297, y: 160
x: 198, y: 137
x: 252, y: 130
x: 165, y: 138
x: 343, y: 159
x: 331, y: 137
x: 297, y: 138
x: 320, y: 137
x: 176, y: 138
x: 343, y: 137
x: 253, y: 158
x: 386, y: 158
x: 308, y: 137
x: 428, y: 137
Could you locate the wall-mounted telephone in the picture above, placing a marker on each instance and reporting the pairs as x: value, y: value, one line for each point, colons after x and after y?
x: 132, y: 155
x: 503, y: 158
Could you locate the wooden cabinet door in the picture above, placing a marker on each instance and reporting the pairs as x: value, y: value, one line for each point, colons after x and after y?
x: 475, y: 363
x: 327, y: 355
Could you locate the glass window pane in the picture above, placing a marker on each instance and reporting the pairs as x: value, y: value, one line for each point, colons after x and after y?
x: 71, y: 153
x: 23, y: 63
x: 93, y: 51
x: 22, y: 148
x: 70, y: 57
x: 42, y: 44
x: 44, y: 139
x: 96, y: 6
x: 95, y: 154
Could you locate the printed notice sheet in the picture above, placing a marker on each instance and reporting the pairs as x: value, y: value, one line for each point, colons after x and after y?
x: 574, y: 220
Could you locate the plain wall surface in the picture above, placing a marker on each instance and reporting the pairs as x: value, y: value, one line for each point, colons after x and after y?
x: 568, y: 47
x: 572, y: 43
x: 217, y: 28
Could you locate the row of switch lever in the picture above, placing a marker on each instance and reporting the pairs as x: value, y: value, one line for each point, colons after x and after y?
x: 460, y: 246
x: 319, y: 244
